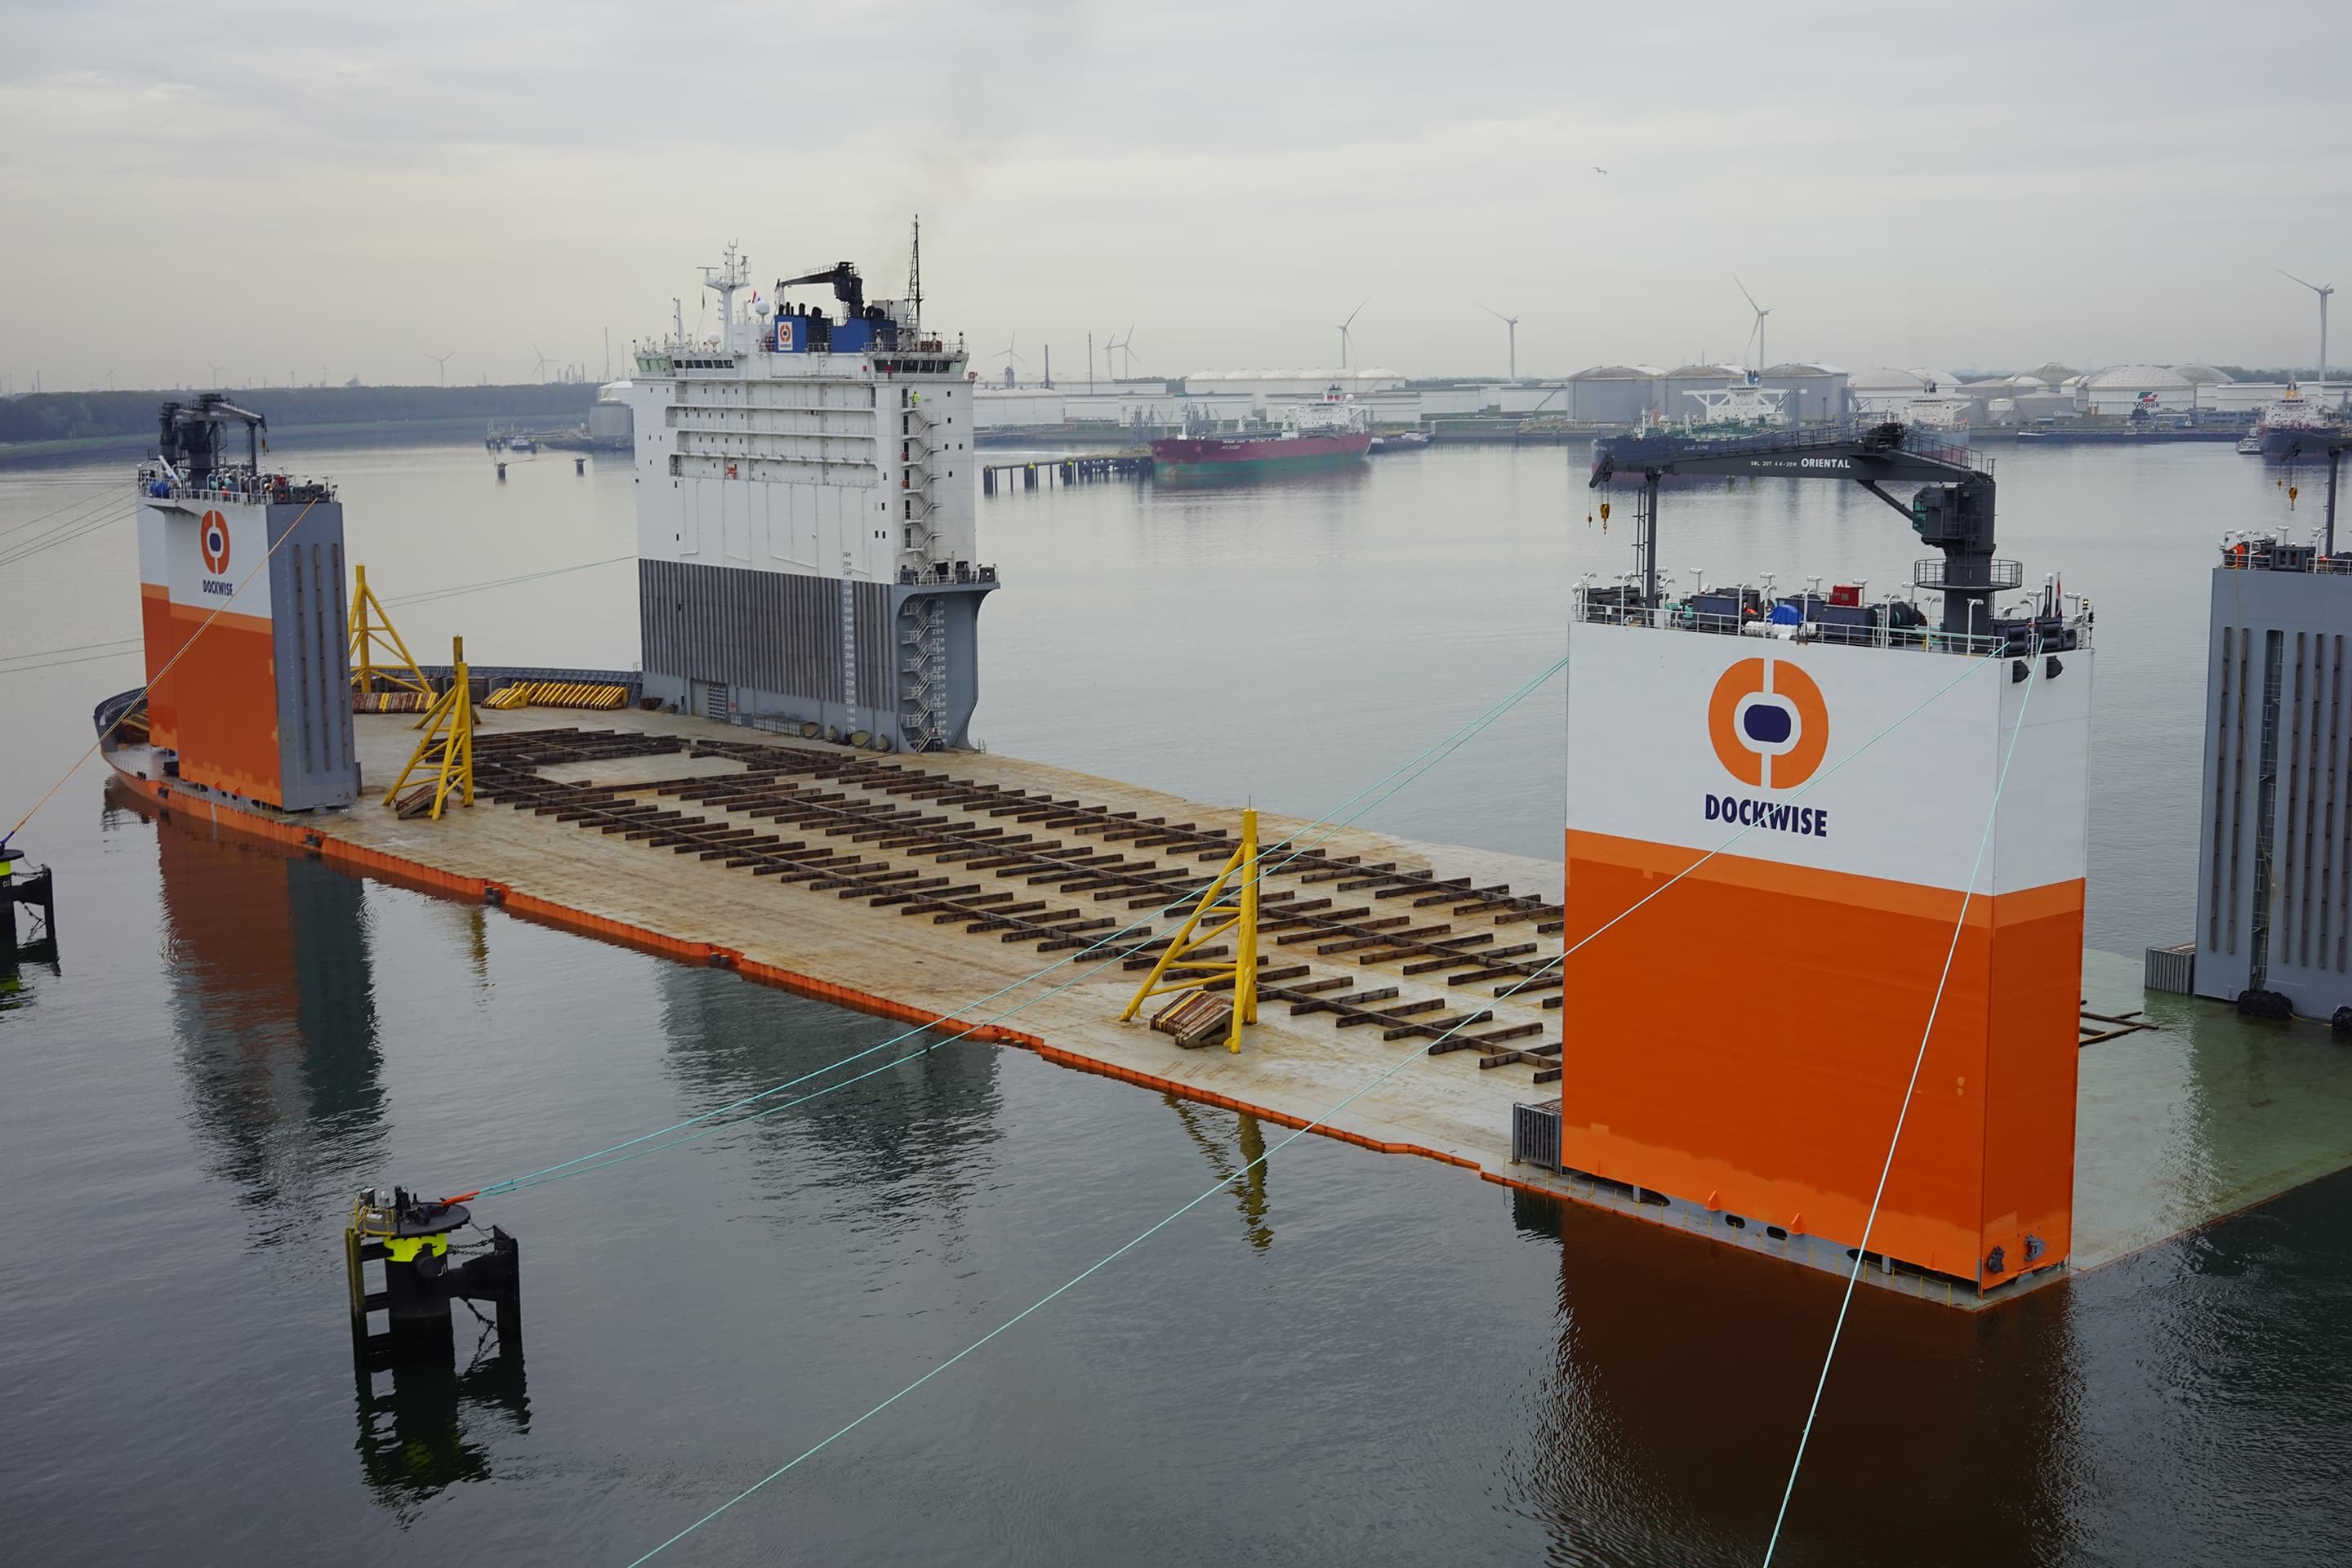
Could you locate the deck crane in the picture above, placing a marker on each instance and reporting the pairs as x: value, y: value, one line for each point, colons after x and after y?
x: 847, y: 286
x: 189, y: 439
x: 1952, y: 511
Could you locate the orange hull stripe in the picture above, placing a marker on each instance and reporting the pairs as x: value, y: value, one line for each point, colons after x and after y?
x: 194, y: 616
x: 1665, y: 860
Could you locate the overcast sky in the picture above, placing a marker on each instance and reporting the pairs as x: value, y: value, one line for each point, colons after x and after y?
x: 288, y: 189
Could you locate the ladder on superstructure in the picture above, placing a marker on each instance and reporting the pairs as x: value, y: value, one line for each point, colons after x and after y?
x: 923, y: 674
x: 923, y: 656
x: 915, y: 453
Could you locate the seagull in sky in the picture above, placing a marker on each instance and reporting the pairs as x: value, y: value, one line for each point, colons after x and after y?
x: 1599, y: 170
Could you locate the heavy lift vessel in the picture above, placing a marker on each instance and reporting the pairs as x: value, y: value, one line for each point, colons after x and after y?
x: 1837, y: 851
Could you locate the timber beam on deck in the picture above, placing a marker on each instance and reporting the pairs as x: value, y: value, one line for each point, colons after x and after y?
x: 894, y: 809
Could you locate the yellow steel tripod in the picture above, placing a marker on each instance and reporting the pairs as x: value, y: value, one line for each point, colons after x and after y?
x: 371, y: 632
x: 446, y: 752
x: 1180, y: 970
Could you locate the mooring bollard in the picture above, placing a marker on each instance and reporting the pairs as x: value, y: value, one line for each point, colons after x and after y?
x: 424, y: 1272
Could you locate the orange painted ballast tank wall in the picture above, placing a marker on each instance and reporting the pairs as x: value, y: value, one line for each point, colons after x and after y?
x: 1771, y: 903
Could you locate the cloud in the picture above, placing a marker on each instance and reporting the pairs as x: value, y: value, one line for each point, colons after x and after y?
x: 286, y: 184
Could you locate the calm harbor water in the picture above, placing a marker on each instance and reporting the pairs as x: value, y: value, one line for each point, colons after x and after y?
x: 1343, y: 1358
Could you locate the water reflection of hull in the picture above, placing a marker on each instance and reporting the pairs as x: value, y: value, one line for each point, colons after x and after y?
x: 927, y: 1117
x: 1681, y: 1379
x: 273, y: 1002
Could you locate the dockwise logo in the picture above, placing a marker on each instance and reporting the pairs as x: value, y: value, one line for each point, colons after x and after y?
x: 213, y: 542
x: 1770, y: 729
x: 1768, y: 724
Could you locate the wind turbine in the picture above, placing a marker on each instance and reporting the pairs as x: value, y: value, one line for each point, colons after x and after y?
x: 216, y: 370
x: 1761, y: 312
x: 1008, y: 354
x: 1513, y: 323
x: 1126, y: 347
x: 1345, y: 341
x: 2323, y: 292
x: 539, y: 371
x: 443, y: 361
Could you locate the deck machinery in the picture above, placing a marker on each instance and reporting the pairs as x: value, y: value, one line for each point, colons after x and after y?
x: 1952, y: 511
x: 1812, y: 842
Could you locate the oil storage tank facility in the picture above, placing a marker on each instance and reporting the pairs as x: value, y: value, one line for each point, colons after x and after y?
x: 1675, y: 386
x: 1614, y: 393
x: 1817, y: 392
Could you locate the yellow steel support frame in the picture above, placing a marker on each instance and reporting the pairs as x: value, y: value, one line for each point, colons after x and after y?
x: 1190, y: 973
x: 371, y: 630
x: 448, y: 749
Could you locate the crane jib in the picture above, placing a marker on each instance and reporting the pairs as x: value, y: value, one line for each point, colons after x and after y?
x: 1953, y: 512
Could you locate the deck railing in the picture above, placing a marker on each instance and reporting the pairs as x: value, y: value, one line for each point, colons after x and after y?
x: 2275, y: 555
x: 942, y: 576
x: 237, y: 484
x: 1604, y: 607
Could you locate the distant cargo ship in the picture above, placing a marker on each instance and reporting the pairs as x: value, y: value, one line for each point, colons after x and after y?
x: 1328, y: 433
x: 2293, y: 427
x: 2136, y: 433
x: 1629, y: 460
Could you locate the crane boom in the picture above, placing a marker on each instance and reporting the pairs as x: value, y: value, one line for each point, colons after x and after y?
x: 189, y: 438
x: 1953, y: 510
x: 847, y: 286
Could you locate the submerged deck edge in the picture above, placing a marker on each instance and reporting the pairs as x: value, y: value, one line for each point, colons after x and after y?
x: 169, y: 801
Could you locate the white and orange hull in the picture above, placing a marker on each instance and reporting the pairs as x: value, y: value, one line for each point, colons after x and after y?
x: 1744, y: 1038
x: 257, y: 706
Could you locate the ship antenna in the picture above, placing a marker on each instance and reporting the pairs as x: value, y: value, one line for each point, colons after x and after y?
x: 915, y: 276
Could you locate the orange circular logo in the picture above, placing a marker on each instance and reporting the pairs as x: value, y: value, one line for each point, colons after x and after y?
x: 214, y: 543
x: 1768, y: 724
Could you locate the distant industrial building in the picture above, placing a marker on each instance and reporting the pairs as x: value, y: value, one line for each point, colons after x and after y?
x: 2020, y: 399
x: 2274, y: 829
x: 1883, y: 386
x: 2119, y: 389
x: 1299, y: 383
x: 610, y: 427
x: 1815, y: 390
x: 1689, y: 378
x: 1613, y: 394
x: 1622, y: 393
